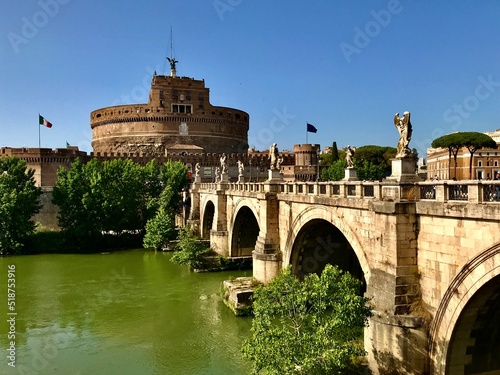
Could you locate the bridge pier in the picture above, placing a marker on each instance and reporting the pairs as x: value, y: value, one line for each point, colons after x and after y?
x: 397, y: 344
x: 267, y: 257
x: 193, y: 221
x: 266, y: 261
x: 219, y: 235
x: 395, y: 338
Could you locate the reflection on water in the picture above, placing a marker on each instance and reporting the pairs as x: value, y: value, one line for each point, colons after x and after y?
x: 130, y: 312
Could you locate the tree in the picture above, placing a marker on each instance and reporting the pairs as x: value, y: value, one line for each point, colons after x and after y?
x: 335, y: 152
x: 369, y: 171
x: 473, y: 141
x: 118, y: 196
x: 161, y: 228
x: 19, y: 201
x: 78, y: 212
x: 336, y: 171
x: 175, y: 175
x: 191, y: 252
x: 308, y: 327
x: 453, y: 142
x: 118, y: 191
x: 374, y: 162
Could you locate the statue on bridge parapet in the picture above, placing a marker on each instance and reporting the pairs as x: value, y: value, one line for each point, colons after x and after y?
x: 404, y: 127
x: 217, y: 174
x: 279, y: 162
x: 349, y: 156
x: 223, y: 164
x: 403, y: 165
x: 197, y: 169
x: 241, y: 168
x: 273, y: 156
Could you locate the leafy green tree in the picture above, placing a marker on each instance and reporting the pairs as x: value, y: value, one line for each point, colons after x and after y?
x: 453, y: 142
x: 118, y: 189
x: 336, y: 171
x: 325, y: 159
x: 335, y: 152
x: 161, y: 228
x: 308, y: 327
x: 191, y: 252
x: 473, y: 141
x: 117, y: 196
x: 19, y: 201
x: 372, y: 162
x: 78, y: 210
x: 369, y: 171
x: 175, y: 175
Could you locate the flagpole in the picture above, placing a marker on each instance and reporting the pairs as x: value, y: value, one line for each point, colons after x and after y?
x: 39, y: 143
x: 306, y: 133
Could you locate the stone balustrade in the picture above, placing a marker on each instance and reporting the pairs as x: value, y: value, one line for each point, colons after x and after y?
x: 472, y: 191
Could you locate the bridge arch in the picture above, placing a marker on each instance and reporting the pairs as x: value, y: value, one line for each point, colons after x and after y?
x: 324, y: 217
x: 465, y: 333
x: 244, y: 228
x: 207, y: 219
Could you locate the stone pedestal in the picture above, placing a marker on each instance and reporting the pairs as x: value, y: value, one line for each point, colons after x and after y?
x: 274, y: 175
x: 403, y: 170
x: 238, y: 294
x: 224, y: 177
x: 241, y: 179
x: 197, y: 179
x: 351, y: 174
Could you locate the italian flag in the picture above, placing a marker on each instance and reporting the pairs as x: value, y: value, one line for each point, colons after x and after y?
x: 44, y: 122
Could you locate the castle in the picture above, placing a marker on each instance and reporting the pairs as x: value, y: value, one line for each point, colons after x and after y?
x: 177, y: 117
x: 178, y: 123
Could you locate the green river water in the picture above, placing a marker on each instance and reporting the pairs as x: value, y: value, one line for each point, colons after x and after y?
x: 130, y: 312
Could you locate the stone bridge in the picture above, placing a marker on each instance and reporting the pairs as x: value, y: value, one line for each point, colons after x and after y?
x: 428, y: 254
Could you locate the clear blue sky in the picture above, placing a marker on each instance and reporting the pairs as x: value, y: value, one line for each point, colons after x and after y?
x: 345, y: 66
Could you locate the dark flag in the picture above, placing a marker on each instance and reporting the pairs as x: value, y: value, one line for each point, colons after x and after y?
x: 311, y: 128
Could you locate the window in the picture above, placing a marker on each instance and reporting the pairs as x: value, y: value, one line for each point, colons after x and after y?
x: 182, y: 108
x: 161, y: 94
x: 479, y: 163
x: 496, y: 163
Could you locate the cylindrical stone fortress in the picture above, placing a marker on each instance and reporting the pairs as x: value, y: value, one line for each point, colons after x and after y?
x: 178, y: 114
